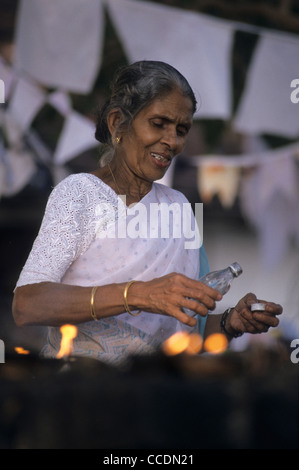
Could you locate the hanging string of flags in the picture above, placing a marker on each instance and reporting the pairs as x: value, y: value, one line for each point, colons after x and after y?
x: 266, y: 183
x: 221, y: 175
x: 66, y: 56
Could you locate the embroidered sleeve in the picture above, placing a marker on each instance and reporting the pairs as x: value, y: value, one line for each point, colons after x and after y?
x: 67, y: 229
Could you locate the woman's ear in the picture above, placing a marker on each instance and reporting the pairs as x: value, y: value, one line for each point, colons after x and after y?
x: 114, y: 119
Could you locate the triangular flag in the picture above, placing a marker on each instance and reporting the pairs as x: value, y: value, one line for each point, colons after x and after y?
x: 219, y: 180
x: 198, y: 46
x: 26, y: 100
x: 59, y: 43
x: 7, y: 77
x: 76, y: 137
x: 266, y: 105
x: 61, y: 102
x: 17, y: 168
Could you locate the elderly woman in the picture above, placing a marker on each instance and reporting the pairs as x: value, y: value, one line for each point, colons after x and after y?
x: 125, y: 281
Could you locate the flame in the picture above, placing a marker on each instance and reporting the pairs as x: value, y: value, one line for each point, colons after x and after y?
x: 21, y: 350
x: 176, y: 344
x: 195, y: 344
x: 182, y: 342
x: 69, y: 332
x: 216, y: 343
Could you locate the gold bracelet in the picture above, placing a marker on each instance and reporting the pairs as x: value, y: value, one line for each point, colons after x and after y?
x: 126, y: 301
x: 92, y: 312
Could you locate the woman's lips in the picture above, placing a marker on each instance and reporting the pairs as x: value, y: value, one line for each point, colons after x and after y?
x: 161, y: 160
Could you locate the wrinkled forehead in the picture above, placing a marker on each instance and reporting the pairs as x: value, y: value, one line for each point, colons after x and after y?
x: 173, y: 105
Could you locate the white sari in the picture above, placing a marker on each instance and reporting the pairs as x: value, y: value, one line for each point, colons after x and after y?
x: 82, y: 242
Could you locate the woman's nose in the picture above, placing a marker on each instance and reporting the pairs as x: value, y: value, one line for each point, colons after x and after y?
x: 171, y: 139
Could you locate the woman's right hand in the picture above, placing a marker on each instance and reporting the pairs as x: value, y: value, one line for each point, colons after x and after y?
x: 169, y: 294
x: 55, y: 304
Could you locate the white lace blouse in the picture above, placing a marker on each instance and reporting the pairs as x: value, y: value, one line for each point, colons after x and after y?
x: 78, y: 244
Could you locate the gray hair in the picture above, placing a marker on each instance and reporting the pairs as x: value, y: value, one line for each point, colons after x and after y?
x: 135, y: 87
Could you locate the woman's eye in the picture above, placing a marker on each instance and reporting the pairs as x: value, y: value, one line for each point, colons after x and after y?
x: 182, y: 132
x: 157, y: 123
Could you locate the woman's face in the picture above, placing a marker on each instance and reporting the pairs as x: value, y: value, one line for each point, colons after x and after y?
x: 157, y: 135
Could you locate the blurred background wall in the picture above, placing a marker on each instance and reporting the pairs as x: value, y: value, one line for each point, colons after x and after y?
x: 242, y: 156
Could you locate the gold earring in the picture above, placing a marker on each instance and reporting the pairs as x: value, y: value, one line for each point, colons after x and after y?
x: 117, y: 140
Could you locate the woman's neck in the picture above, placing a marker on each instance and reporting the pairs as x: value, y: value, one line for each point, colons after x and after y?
x: 124, y: 182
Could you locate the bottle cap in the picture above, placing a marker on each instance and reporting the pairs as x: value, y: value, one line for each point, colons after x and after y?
x: 236, y: 269
x: 257, y: 307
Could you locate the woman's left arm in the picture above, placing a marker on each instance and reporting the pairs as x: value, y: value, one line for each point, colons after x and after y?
x: 241, y: 319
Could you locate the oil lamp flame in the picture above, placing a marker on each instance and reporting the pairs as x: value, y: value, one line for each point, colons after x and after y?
x: 21, y: 350
x: 216, y: 343
x: 195, y: 344
x: 176, y: 344
x: 182, y: 342
x: 69, y: 332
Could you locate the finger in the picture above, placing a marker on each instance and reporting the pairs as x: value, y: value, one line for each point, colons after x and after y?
x: 213, y: 293
x: 250, y: 298
x: 255, y: 325
x: 201, y: 298
x: 260, y: 321
x: 192, y: 288
x: 198, y: 286
x: 199, y: 292
x: 175, y: 309
x: 266, y: 319
x: 182, y: 316
x: 249, y: 328
x: 273, y: 308
x: 196, y: 307
x: 246, y: 301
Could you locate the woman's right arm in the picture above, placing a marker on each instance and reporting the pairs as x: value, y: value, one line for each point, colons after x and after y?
x: 55, y: 304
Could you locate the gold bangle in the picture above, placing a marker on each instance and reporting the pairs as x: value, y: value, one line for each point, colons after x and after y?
x: 126, y: 301
x: 92, y: 312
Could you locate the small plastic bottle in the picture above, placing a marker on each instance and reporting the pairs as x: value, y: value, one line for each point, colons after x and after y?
x: 222, y: 280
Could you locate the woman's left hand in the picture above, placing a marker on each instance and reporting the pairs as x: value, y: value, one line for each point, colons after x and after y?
x: 242, y: 319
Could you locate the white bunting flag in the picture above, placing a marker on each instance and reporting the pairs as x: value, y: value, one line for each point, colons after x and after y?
x: 27, y: 98
x: 266, y: 105
x: 220, y: 180
x: 198, y: 46
x: 16, y: 169
x: 76, y: 137
x: 59, y: 42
